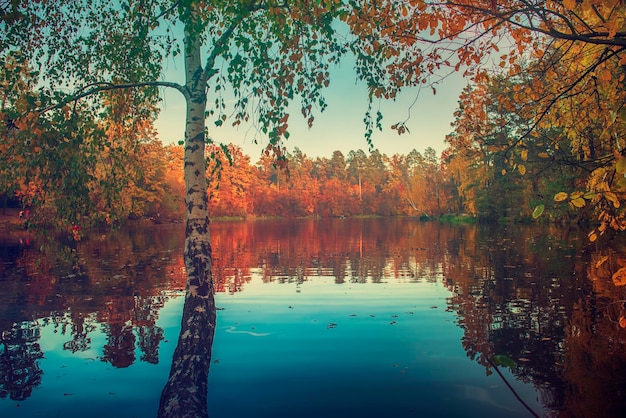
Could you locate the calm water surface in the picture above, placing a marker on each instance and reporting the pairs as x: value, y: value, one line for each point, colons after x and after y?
x: 364, y: 318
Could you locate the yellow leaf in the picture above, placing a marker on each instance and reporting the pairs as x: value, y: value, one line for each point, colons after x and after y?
x: 611, y: 197
x: 578, y: 202
x: 575, y: 195
x: 522, y: 169
x: 619, y: 277
x: 543, y: 155
x: 560, y: 196
x: 593, y: 236
x: 504, y: 172
x: 524, y: 155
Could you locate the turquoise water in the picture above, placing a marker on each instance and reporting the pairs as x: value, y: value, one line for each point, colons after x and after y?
x: 363, y: 350
x: 283, y: 350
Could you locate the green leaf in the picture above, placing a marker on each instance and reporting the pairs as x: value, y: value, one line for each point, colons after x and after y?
x: 538, y: 211
x: 502, y: 360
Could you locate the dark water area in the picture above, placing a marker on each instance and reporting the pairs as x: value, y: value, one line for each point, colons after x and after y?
x: 367, y: 318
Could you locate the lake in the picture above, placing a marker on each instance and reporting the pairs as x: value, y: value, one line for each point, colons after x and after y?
x: 320, y: 318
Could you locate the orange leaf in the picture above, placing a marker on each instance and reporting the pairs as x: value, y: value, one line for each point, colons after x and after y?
x: 569, y: 4
x: 619, y: 277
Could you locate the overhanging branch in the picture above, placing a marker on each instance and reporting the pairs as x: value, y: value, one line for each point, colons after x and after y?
x: 93, y: 88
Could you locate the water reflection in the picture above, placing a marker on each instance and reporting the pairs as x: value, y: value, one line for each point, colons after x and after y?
x: 541, y: 296
x: 119, y: 281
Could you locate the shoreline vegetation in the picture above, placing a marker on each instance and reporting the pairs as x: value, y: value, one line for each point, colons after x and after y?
x: 11, y: 221
x: 418, y: 185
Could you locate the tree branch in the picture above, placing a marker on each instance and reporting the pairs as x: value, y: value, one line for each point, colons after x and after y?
x: 97, y: 87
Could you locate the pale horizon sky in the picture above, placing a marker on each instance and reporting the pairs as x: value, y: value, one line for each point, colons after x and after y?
x: 341, y: 126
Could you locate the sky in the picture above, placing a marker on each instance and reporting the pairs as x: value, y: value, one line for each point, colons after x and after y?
x: 340, y: 127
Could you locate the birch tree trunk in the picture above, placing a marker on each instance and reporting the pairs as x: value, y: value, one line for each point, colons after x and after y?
x: 185, y: 393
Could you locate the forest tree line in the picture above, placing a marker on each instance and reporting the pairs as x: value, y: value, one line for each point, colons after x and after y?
x: 115, y: 168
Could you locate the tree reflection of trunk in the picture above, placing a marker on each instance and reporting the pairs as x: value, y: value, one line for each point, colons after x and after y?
x: 185, y: 393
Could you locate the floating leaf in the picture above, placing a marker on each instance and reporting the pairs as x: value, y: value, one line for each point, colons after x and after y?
x: 538, y: 211
x: 504, y: 172
x: 560, y: 196
x: 619, y: 277
x: 622, y: 321
x: 522, y: 169
x: 593, y: 236
x: 543, y: 155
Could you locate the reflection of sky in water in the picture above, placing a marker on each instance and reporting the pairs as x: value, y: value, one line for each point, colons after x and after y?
x: 348, y: 350
x: 317, y: 349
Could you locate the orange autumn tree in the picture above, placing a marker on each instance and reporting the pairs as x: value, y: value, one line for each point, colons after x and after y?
x: 571, y: 52
x: 230, y: 181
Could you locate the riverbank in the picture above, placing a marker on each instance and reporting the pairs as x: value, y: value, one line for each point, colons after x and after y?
x: 10, y: 219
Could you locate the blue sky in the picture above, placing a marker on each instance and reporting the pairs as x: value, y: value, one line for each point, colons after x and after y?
x: 340, y: 127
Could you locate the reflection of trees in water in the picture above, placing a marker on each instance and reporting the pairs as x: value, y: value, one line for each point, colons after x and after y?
x: 120, y: 280
x: 19, y: 355
x: 536, y: 304
x: 349, y: 250
x: 80, y: 334
x: 537, y: 296
x: 120, y: 347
